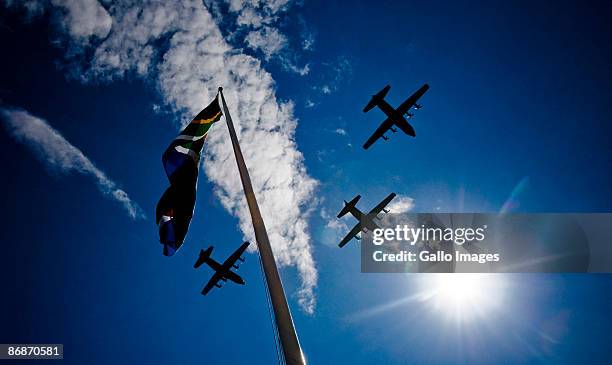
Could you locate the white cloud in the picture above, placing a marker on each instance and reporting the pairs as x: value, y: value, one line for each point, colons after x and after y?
x: 258, y: 8
x: 272, y: 43
x: 60, y: 155
x: 267, y: 40
x: 401, y: 204
x: 80, y: 18
x: 337, y: 225
x: 289, y: 65
x: 335, y: 228
x: 340, y: 131
x: 250, y: 17
x: 84, y: 18
x: 258, y: 22
x: 187, y: 72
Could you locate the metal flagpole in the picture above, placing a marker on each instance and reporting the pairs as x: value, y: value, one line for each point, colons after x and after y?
x: 286, y: 330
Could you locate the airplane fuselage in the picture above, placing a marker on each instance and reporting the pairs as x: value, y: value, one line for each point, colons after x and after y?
x: 225, y: 270
x: 396, y: 117
x: 365, y: 220
x: 390, y: 111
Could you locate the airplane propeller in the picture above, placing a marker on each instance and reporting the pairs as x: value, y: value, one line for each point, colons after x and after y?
x: 417, y: 106
x: 386, y: 210
x: 385, y: 137
x: 236, y: 266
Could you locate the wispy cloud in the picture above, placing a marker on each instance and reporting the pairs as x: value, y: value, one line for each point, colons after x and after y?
x: 340, y: 131
x: 335, y: 228
x: 401, y: 204
x: 53, y: 150
x: 257, y: 24
x: 84, y: 18
x: 333, y: 75
x: 307, y: 35
x: 272, y: 43
x: 325, y: 89
x: 187, y: 70
x: 266, y: 39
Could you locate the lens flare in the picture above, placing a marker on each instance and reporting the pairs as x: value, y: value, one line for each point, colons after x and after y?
x: 463, y: 296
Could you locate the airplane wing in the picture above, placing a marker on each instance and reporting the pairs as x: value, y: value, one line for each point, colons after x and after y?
x: 409, y: 103
x: 382, y: 204
x: 212, y: 282
x: 378, y: 133
x: 236, y: 255
x: 350, y: 235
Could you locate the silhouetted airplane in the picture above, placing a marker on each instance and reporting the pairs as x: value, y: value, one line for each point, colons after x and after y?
x: 366, y: 221
x: 222, y: 271
x: 394, y: 116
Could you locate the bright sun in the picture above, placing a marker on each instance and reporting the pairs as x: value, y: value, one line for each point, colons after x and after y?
x: 462, y: 296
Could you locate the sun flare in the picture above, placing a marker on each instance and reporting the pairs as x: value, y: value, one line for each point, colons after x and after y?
x: 462, y: 296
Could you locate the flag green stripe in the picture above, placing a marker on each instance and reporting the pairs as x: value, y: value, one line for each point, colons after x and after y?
x: 194, y: 129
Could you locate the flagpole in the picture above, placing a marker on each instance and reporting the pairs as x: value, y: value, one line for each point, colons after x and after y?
x: 282, y: 314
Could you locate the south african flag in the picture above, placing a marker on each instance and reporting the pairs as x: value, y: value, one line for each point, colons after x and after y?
x: 181, y: 161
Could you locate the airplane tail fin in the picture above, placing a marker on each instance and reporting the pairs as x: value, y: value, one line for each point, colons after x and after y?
x: 204, y: 255
x: 348, y: 206
x: 379, y: 96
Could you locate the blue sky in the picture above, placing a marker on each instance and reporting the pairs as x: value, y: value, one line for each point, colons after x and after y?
x: 519, y: 92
